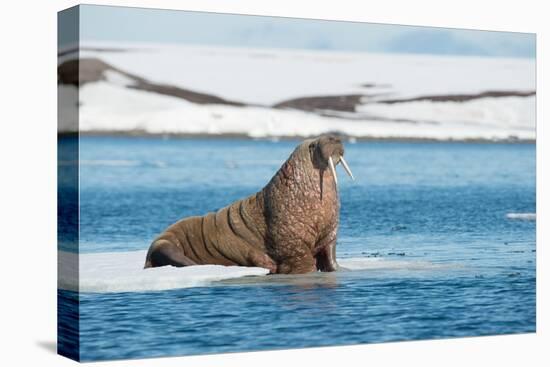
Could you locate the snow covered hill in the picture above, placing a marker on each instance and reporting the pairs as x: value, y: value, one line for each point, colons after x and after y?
x: 177, y: 89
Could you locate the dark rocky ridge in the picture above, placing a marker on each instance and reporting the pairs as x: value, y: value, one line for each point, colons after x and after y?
x: 348, y: 103
x: 461, y: 97
x: 78, y: 72
x: 344, y: 103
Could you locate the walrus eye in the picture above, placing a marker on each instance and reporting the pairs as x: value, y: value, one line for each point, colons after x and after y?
x: 346, y: 167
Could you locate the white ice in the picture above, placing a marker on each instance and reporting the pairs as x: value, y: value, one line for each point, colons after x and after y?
x: 377, y: 263
x: 522, y: 216
x: 123, y: 272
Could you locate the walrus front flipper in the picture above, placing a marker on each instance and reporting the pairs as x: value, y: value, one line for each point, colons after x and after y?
x: 326, y: 259
x: 163, y: 252
x: 326, y: 255
x: 295, y: 257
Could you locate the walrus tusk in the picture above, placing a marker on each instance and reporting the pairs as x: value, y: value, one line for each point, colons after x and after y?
x: 346, y: 167
x: 333, y: 170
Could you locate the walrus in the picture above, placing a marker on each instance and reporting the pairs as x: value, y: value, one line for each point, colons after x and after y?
x: 288, y: 227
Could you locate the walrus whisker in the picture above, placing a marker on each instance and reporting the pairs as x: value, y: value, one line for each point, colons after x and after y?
x: 346, y: 167
x: 333, y: 170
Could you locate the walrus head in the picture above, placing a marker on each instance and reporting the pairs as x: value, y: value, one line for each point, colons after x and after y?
x: 326, y: 152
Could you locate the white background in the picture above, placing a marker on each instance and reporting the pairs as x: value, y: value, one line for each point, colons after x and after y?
x: 28, y: 182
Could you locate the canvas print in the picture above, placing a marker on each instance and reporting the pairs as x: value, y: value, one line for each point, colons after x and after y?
x: 231, y: 183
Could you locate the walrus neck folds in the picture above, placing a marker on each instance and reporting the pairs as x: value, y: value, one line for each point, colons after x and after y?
x: 302, y: 186
x: 301, y: 207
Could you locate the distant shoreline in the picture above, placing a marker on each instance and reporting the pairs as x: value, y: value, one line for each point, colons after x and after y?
x: 228, y: 136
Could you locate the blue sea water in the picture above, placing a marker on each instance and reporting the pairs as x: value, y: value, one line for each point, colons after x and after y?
x: 443, y: 205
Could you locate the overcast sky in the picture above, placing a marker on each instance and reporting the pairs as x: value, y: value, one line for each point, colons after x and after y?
x: 106, y: 23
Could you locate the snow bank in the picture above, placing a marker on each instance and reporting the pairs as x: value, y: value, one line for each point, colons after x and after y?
x: 264, y: 77
x: 506, y: 113
x: 269, y: 76
x: 108, y: 107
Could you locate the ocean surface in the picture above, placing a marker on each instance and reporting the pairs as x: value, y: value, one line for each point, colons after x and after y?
x: 437, y: 241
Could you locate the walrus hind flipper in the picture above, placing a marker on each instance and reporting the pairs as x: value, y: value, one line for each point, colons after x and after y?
x: 163, y: 253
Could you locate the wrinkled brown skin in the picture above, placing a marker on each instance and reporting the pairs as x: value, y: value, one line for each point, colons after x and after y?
x: 288, y: 227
